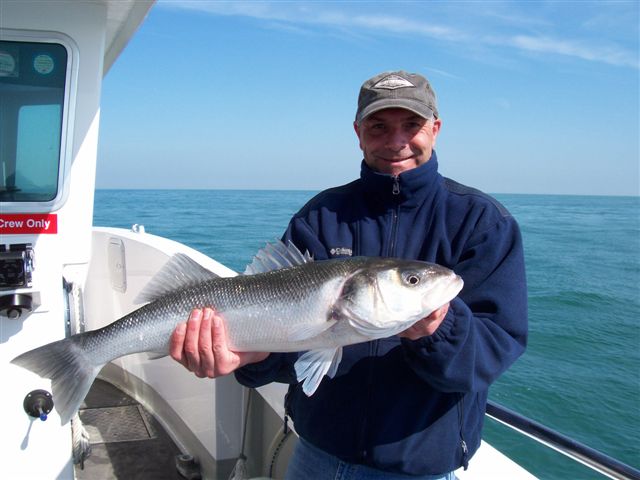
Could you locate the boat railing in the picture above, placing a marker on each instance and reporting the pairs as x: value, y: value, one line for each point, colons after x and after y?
x: 569, y: 447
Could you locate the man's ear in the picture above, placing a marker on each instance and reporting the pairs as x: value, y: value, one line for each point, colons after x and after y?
x: 437, y: 124
x: 356, y: 128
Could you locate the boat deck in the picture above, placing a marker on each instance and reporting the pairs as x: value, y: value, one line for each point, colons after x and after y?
x: 126, y: 441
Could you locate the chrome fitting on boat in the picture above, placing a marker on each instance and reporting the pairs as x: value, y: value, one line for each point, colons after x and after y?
x: 16, y: 266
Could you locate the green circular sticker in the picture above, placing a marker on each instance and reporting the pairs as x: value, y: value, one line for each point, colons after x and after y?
x: 43, y: 64
x: 7, y: 64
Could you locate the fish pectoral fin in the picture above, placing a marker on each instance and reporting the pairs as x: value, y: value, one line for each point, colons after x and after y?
x: 315, y: 364
x: 306, y: 331
x: 337, y: 358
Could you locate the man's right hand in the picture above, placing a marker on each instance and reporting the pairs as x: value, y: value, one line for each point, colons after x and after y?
x: 201, y: 346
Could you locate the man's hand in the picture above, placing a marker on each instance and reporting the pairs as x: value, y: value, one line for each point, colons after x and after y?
x: 427, y: 326
x: 200, y: 345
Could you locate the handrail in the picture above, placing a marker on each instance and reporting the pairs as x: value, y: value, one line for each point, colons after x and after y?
x: 577, y: 451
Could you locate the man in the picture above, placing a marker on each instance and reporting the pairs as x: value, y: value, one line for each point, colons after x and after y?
x: 412, y: 404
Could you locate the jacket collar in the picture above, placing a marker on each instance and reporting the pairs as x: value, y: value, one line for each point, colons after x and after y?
x: 410, y: 187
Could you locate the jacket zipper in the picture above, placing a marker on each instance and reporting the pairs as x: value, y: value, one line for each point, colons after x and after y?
x: 373, y: 348
x: 394, y: 216
x: 463, y: 444
x: 373, y: 351
x: 287, y: 410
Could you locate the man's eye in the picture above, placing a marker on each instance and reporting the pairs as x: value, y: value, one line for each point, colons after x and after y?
x: 376, y: 129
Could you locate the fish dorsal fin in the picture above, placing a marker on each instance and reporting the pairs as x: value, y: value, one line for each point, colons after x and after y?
x: 277, y: 255
x: 179, y: 272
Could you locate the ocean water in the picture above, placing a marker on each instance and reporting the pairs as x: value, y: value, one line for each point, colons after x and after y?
x: 581, y: 372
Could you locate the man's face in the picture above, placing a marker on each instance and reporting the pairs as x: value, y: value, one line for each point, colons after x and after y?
x: 395, y: 140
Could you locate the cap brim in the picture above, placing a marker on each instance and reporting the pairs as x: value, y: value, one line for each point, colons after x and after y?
x: 411, y: 105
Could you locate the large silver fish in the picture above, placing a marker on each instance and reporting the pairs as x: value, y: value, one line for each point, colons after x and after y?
x: 284, y: 302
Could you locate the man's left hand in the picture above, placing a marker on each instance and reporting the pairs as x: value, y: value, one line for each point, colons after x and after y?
x: 427, y: 326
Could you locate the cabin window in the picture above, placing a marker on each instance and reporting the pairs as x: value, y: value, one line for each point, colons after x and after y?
x: 33, y: 77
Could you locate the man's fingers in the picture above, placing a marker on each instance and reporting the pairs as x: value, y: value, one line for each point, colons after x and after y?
x: 176, y: 344
x: 428, y: 325
x: 205, y: 344
x: 440, y: 313
x: 224, y: 359
x: 191, y: 341
x: 201, y: 346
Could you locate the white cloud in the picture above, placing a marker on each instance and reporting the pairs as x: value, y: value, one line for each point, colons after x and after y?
x: 402, y: 25
x: 611, y: 55
x: 443, y: 73
x: 296, y: 14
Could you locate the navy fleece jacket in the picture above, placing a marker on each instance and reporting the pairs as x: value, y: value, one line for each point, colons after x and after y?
x: 415, y: 407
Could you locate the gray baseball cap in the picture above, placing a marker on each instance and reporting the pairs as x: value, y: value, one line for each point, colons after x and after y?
x: 400, y: 89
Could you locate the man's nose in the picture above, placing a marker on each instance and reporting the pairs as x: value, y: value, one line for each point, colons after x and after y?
x: 396, y: 139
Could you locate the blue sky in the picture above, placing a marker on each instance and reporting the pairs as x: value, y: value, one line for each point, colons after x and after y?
x: 535, y: 97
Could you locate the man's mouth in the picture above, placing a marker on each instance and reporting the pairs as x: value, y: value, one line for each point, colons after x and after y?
x: 395, y: 159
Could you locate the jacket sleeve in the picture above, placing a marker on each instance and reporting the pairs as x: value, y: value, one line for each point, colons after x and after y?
x: 278, y: 367
x: 485, y: 329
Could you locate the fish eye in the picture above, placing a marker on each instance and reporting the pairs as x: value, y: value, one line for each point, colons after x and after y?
x: 412, y: 279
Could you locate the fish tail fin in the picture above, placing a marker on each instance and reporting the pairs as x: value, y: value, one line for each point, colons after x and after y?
x: 71, y: 372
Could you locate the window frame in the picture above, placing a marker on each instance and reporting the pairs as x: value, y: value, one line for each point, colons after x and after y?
x: 65, y: 152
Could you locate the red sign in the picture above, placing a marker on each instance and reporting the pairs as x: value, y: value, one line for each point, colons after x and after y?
x: 28, y: 223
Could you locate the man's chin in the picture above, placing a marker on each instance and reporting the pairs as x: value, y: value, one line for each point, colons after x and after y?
x: 397, y: 167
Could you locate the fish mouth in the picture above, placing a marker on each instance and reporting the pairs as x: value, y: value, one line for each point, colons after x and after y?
x: 454, y: 285
x: 443, y: 292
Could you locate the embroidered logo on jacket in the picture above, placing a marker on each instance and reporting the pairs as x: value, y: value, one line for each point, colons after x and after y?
x: 341, y: 252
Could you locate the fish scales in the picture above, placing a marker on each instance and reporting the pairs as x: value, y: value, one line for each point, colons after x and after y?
x: 312, y: 307
x: 149, y: 328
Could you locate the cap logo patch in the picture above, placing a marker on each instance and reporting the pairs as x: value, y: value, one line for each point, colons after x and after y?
x: 392, y: 82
